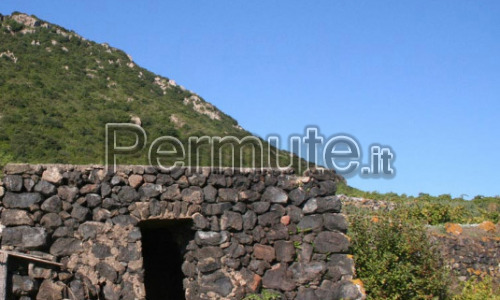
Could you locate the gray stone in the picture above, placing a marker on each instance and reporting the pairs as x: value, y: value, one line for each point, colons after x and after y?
x: 90, y: 188
x: 80, y: 213
x: 294, y: 213
x: 241, y: 182
x: 128, y: 194
x: 16, y: 217
x: 308, y: 273
x: 210, y: 193
x: 209, y: 264
x: 264, y: 252
x: 62, y: 232
x: 53, y: 175
x: 335, y: 222
x: 24, y: 236
x: 306, y: 252
x: 275, y: 195
x: 211, y: 238
x: 23, y: 285
x: 150, y: 190
x: 258, y: 266
x: 93, y: 200
x: 50, y: 290
x: 197, y: 179
x: 240, y: 207
x: 231, y: 220
x: 164, y: 179
x: 327, y: 187
x: 105, y: 189
x: 74, y: 178
x: 261, y: 207
x: 129, y: 253
x: 13, y: 183
x: 46, y: 188
x: 310, y: 223
x: 278, y: 278
x: 65, y: 247
x: 134, y: 235
x: 189, y: 269
x: 17, y: 168
x: 192, y: 194
x: 51, y: 220
x: 113, y: 292
x: 117, y: 180
x: 22, y: 200
x: 106, y: 271
x: 101, y: 251
x: 53, y: 204
x: 306, y: 294
x: 248, y: 195
x: 124, y: 220
x: 218, y: 283
x: 89, y: 230
x: 269, y: 219
x: 28, y: 183
x: 243, y: 238
x: 176, y: 173
x: 339, y: 265
x: 67, y: 193
x: 77, y: 289
x: 40, y: 273
x: 100, y: 214
x: 347, y: 290
x: 228, y: 195
x: 249, y: 220
x: 285, y: 251
x: 235, y: 250
x: 297, y: 196
x: 322, y: 204
x: 331, y: 242
x: 277, y: 232
x: 172, y: 193
x: 217, y: 180
x: 200, y: 222
x: 215, y: 208
x: 208, y: 251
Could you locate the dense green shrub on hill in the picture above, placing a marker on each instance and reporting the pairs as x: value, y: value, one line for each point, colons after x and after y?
x: 430, y: 210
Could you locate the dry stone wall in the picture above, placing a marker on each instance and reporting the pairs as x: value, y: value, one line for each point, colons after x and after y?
x: 252, y: 230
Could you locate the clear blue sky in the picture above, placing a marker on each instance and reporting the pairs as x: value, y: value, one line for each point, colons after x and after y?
x: 420, y: 76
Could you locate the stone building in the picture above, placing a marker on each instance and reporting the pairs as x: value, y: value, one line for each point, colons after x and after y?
x: 82, y: 232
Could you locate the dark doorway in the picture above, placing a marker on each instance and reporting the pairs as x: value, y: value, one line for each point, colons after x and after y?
x: 163, y: 247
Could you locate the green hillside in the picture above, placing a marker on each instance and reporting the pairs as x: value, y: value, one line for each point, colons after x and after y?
x: 58, y: 90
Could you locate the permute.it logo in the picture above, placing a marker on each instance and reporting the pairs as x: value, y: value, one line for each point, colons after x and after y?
x: 341, y: 152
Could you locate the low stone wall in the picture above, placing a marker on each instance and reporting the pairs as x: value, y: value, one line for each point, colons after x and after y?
x: 253, y: 230
x: 470, y: 252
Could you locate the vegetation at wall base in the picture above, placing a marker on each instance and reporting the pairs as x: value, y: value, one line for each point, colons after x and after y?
x: 478, y: 289
x: 392, y: 250
x: 395, y: 259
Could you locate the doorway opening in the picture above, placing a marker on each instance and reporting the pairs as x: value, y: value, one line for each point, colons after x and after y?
x: 163, y: 247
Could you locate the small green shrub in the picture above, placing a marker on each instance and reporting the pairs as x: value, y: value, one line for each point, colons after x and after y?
x: 478, y: 289
x: 14, y: 26
x: 264, y: 295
